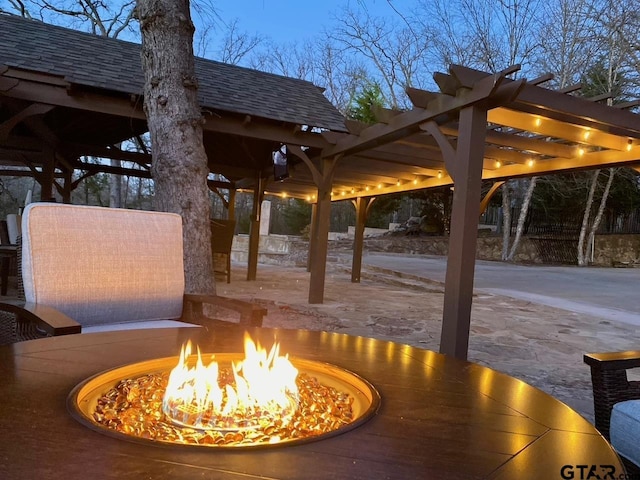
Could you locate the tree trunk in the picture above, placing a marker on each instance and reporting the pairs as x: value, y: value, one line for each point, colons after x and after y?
x: 598, y: 219
x: 506, y: 220
x: 179, y: 168
x: 521, y: 219
x: 582, y: 261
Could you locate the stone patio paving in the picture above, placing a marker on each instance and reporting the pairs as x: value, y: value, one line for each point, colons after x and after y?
x: 541, y: 345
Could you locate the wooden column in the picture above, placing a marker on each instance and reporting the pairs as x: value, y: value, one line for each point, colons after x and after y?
x: 254, y: 232
x: 321, y: 232
x: 67, y: 186
x: 312, y: 229
x: 458, y: 294
x: 46, y: 179
x: 362, y: 210
x: 231, y: 207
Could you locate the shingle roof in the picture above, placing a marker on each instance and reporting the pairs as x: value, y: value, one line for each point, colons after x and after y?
x: 94, y: 61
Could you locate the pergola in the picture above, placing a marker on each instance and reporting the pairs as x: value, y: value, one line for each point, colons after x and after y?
x: 66, y: 94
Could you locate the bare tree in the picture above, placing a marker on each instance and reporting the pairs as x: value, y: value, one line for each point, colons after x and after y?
x: 585, y: 247
x: 179, y: 166
x: 318, y: 61
x: 396, y: 54
x: 566, y: 44
x: 506, y: 220
x: 482, y: 34
x: 524, y: 210
x: 107, y: 19
x: 236, y: 45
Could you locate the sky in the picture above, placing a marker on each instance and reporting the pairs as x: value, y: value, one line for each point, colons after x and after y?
x: 294, y: 20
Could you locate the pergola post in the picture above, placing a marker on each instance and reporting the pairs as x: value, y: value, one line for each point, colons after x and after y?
x: 254, y: 232
x: 67, y: 186
x: 47, y: 177
x: 231, y: 207
x: 461, y: 259
x: 362, y: 209
x: 312, y: 228
x: 321, y: 232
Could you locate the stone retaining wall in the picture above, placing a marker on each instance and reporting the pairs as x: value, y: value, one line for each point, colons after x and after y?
x: 609, y: 250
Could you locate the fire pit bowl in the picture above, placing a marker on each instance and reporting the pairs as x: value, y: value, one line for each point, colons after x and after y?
x: 149, y: 425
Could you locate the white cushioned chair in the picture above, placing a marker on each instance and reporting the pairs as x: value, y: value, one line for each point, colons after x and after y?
x: 88, y: 268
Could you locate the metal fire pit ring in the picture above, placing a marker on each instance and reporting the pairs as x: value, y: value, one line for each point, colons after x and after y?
x: 82, y: 400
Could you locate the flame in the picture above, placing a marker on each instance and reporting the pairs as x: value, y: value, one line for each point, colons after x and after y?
x: 263, y: 390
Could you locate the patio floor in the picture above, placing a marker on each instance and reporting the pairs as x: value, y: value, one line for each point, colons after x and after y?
x: 539, y: 344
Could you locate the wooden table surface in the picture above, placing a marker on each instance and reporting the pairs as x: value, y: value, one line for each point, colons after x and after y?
x: 439, y: 417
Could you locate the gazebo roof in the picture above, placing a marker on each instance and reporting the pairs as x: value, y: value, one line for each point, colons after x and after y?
x: 88, y: 60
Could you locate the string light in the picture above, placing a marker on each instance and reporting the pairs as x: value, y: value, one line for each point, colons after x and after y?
x: 366, y: 188
x: 587, y: 134
x: 498, y: 164
x: 415, y: 181
x: 284, y: 194
x: 629, y: 145
x: 580, y: 151
x: 308, y: 198
x: 538, y: 122
x: 343, y: 193
x: 398, y: 183
x: 379, y: 185
x: 439, y: 173
x: 531, y: 162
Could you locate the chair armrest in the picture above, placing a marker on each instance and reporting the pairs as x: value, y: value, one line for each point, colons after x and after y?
x: 250, y: 313
x: 613, y: 360
x: 610, y: 383
x: 46, y: 319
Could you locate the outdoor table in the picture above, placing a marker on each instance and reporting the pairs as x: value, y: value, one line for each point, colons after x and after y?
x: 439, y: 417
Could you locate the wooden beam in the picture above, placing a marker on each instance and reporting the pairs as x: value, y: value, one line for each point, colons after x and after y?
x: 31, y: 110
x: 408, y: 122
x: 522, y: 142
x: 487, y: 198
x: 557, y: 129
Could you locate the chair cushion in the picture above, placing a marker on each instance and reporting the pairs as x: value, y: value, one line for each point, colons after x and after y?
x: 625, y: 429
x: 103, y: 265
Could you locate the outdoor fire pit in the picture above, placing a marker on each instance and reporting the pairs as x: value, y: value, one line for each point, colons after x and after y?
x: 256, y: 399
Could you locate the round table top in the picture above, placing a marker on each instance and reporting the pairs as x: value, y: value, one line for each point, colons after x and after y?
x: 439, y: 417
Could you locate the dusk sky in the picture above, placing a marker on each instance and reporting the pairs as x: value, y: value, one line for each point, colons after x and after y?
x: 295, y: 20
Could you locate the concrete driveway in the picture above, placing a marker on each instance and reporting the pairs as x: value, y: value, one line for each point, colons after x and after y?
x: 609, y: 293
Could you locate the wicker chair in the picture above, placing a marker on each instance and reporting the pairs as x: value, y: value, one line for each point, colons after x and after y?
x: 612, y: 386
x: 86, y: 267
x: 222, y: 232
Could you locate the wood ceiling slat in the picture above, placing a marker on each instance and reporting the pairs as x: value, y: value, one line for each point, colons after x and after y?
x: 554, y: 128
